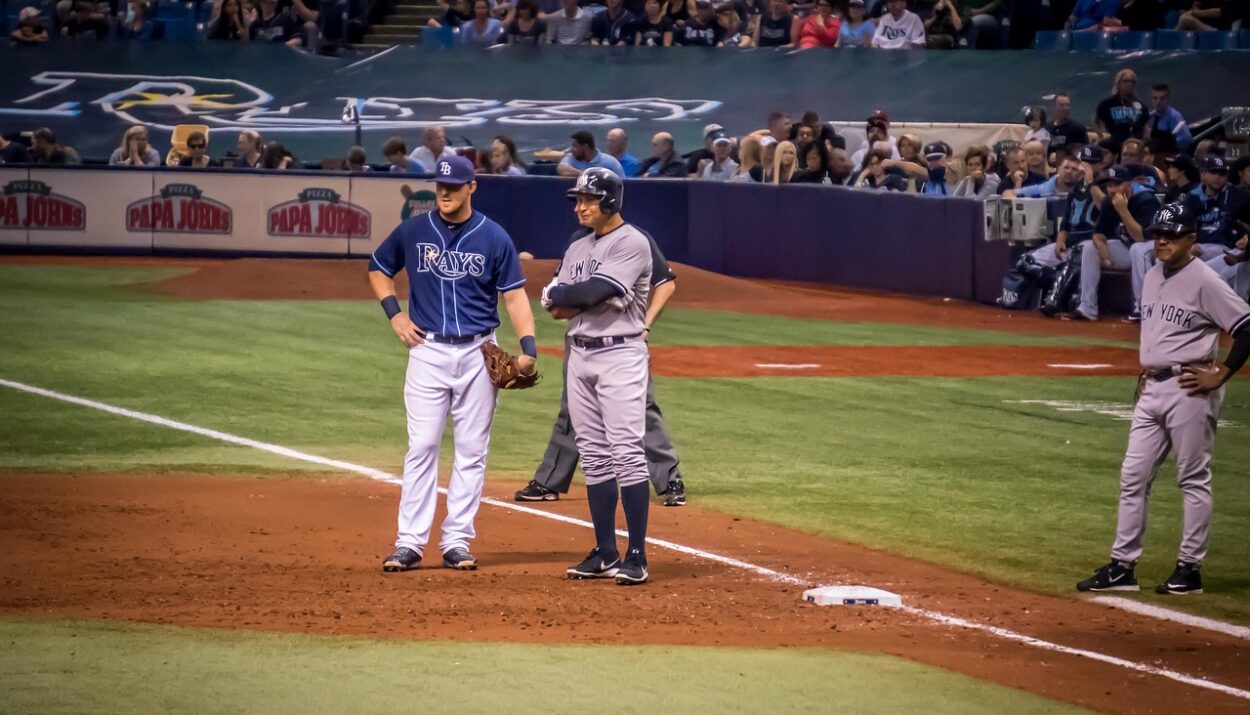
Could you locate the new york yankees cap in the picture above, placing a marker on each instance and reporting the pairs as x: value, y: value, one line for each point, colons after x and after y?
x: 453, y: 170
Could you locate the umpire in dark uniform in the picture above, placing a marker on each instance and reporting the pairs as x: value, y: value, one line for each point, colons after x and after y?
x: 555, y: 474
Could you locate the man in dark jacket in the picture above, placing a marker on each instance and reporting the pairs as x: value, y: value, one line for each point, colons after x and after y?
x: 664, y: 160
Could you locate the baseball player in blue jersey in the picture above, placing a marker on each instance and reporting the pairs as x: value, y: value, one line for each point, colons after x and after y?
x: 602, y: 288
x: 458, y: 263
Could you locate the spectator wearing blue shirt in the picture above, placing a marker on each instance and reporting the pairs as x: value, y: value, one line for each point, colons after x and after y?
x: 1017, y: 174
x: 396, y: 152
x: 583, y: 155
x: 135, y: 25
x: 617, y: 143
x: 1058, y: 186
x: 1088, y: 15
x: 483, y: 30
x: 1166, y: 130
x: 857, y: 30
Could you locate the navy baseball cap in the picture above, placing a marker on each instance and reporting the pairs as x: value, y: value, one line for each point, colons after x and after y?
x: 1091, y: 154
x: 1182, y: 162
x: 1214, y: 164
x: 454, y: 170
x: 1117, y: 174
x: 935, y: 149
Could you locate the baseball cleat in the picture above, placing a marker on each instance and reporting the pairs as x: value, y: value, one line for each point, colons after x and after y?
x: 1186, y: 579
x: 1078, y: 315
x: 1134, y: 317
x: 536, y: 492
x: 595, y: 565
x: 1115, y: 576
x: 404, y: 559
x: 634, y: 569
x: 459, y: 559
x: 675, y: 494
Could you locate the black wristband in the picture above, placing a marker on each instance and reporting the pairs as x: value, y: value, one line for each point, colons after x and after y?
x: 528, y: 346
x: 390, y: 304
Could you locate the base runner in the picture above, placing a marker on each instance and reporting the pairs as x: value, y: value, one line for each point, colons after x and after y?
x: 1184, y: 306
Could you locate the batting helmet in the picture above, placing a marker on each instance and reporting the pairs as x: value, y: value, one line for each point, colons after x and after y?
x: 1176, y: 218
x: 597, y: 181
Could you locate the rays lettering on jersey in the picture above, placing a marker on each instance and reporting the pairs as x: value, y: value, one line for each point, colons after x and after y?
x: 577, y: 272
x: 1169, y: 313
x: 448, y: 265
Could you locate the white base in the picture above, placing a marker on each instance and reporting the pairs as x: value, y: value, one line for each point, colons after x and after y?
x: 851, y: 596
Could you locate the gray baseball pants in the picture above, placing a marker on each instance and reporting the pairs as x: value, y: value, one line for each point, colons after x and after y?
x: 1165, y: 419
x: 1091, y: 273
x: 607, y: 394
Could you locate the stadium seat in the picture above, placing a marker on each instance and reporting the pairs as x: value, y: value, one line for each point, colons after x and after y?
x: 1091, y: 41
x: 1174, y: 40
x: 438, y: 37
x: 1052, y: 41
x: 1218, y: 40
x: 1132, y: 40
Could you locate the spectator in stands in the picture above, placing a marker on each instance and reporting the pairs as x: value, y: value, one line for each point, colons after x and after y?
x: 583, y: 155
x: 1035, y: 119
x: 1065, y: 134
x: 612, y: 26
x: 664, y: 160
x: 875, y: 176
x: 1208, y: 15
x: 455, y: 14
x: 983, y: 29
x: 396, y: 152
x: 734, y: 32
x: 1131, y: 151
x: 1241, y: 174
x: 277, y: 158
x: 940, y: 178
x: 1035, y: 158
x: 877, y: 130
x: 1064, y: 180
x: 249, y: 147
x: 1121, y: 115
x: 942, y: 23
x: 821, y: 28
x: 197, y: 153
x: 78, y: 18
x: 748, y: 159
x: 504, y: 158
x: 273, y: 25
x: 135, y: 25
x: 1017, y: 174
x: 700, y: 30
x: 134, y: 150
x: 899, y: 28
x: 857, y: 30
x: 527, y: 28
x: 654, y: 29
x: 763, y: 174
x: 774, y: 26
x: 1166, y: 130
x: 1139, y: 15
x: 978, y: 181
x: 779, y: 126
x: 13, y: 152
x: 45, y: 150
x: 710, y: 132
x: 720, y: 167
x: 785, y: 162
x: 30, y: 29
x: 483, y: 30
x: 570, y: 26
x: 357, y: 160
x: 1183, y: 177
x: 679, y: 13
x: 433, y: 147
x: 229, y: 24
x: 817, y: 130
x: 839, y: 168
x: 307, y: 13
x: 1126, y: 211
x: 618, y: 143
x: 813, y: 164
x: 802, y: 134
x: 1088, y: 15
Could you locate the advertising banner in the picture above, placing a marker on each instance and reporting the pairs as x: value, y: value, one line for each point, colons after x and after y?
x: 86, y: 208
x: 14, y: 209
x: 388, y: 201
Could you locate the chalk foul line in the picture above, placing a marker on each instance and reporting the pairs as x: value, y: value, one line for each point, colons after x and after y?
x: 788, y: 365
x: 1080, y: 365
x: 381, y: 476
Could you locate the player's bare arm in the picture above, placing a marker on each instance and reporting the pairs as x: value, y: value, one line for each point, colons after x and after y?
x: 1104, y: 253
x: 407, y: 332
x: 522, y: 318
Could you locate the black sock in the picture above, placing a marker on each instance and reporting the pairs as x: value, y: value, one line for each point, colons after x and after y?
x: 636, y: 499
x: 602, y: 498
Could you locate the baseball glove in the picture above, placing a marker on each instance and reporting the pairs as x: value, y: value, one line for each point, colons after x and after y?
x: 504, y: 371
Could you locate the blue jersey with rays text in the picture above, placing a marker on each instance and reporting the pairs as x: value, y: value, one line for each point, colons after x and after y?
x: 455, y: 272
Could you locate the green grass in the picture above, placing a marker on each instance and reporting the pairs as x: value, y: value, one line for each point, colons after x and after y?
x: 943, y: 469
x: 74, y: 667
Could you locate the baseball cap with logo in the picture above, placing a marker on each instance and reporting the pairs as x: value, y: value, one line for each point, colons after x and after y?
x: 1176, y: 219
x: 453, y: 170
x: 879, y: 116
x: 1117, y: 174
x: 720, y: 138
x: 1091, y: 154
x: 936, y: 149
x: 1214, y: 164
x: 711, y: 129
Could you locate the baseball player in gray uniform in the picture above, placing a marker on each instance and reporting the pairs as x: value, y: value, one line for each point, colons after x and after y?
x: 602, y: 288
x: 1184, y: 306
x: 555, y: 474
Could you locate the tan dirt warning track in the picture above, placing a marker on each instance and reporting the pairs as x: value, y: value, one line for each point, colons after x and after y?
x: 303, y: 555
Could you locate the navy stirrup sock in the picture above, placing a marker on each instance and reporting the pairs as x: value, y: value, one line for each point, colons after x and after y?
x: 602, y: 498
x: 636, y: 499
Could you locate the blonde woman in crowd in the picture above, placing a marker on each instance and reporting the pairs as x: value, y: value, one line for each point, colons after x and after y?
x: 748, y: 159
x: 785, y: 162
x: 134, y: 150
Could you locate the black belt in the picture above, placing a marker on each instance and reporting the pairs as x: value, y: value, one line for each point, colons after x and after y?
x: 596, y: 343
x: 456, y: 339
x: 1163, y: 375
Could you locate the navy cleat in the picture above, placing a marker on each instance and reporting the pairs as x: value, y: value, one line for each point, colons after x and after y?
x: 459, y: 559
x: 536, y: 492
x: 404, y: 559
x: 595, y: 565
x: 1115, y: 576
x: 1186, y: 579
x: 634, y: 569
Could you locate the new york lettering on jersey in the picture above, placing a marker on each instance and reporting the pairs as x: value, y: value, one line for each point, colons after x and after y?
x: 455, y: 272
x: 623, y: 258
x: 1182, y: 315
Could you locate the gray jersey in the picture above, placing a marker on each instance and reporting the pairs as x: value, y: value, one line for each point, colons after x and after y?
x: 1182, y: 315
x: 623, y: 258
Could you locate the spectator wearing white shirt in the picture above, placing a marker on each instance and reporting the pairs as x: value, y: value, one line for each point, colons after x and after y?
x: 899, y: 28
x: 434, y: 148
x: 877, y: 130
x: 721, y: 166
x: 570, y: 26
